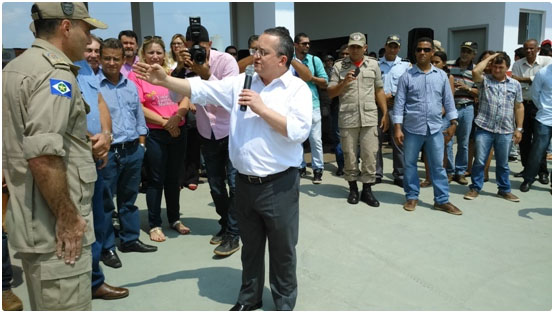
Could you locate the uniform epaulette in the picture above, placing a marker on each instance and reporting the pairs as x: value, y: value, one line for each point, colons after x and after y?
x: 406, y: 60
x: 55, y: 60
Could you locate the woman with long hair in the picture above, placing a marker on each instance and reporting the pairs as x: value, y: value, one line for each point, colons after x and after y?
x: 165, y: 144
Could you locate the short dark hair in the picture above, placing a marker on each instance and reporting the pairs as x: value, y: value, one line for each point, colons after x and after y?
x: 441, y: 55
x: 231, y: 47
x: 111, y: 43
x: 96, y: 38
x: 251, y: 39
x: 502, y: 57
x: 426, y: 39
x: 520, y: 52
x: 298, y: 36
x: 128, y: 33
x: 489, y: 52
x: 285, y: 46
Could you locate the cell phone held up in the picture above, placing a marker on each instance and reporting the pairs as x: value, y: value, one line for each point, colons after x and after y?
x: 356, y: 72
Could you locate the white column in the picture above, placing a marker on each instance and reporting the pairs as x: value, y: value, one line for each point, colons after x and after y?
x: 271, y: 14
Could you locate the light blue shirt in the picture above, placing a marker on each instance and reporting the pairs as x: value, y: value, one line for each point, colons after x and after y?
x: 88, y: 83
x: 318, y: 70
x: 541, y: 90
x: 419, y: 100
x: 391, y: 72
x: 125, y: 108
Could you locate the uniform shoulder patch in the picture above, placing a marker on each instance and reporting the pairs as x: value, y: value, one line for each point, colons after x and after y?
x: 55, y: 60
x: 60, y: 88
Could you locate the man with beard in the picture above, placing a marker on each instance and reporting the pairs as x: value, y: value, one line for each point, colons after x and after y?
x: 130, y: 48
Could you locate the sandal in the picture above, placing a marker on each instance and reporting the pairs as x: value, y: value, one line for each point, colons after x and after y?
x: 156, y: 234
x: 179, y: 227
x: 425, y: 183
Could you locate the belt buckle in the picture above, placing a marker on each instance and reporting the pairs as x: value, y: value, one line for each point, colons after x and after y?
x: 254, y: 179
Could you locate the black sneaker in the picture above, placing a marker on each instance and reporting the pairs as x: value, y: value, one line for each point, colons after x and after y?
x: 317, y: 176
x: 217, y: 238
x: 339, y: 171
x: 228, y: 246
x: 303, y: 172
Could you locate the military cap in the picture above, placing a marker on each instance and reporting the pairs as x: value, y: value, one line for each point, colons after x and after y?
x: 65, y: 10
x: 357, y: 39
x: 393, y: 39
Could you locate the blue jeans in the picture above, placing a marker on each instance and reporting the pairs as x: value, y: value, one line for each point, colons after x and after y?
x: 121, y: 179
x: 339, y: 156
x: 484, y: 141
x: 541, y: 140
x: 316, y: 145
x: 101, y: 223
x: 465, y: 120
x: 434, y: 147
x: 219, y: 168
x: 165, y: 157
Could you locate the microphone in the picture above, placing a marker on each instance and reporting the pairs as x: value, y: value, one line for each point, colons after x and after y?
x: 247, y: 82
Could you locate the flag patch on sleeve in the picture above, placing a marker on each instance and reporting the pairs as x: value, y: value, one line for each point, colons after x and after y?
x: 60, y: 88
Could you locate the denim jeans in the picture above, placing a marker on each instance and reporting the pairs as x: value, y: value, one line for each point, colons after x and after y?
x: 121, y: 180
x: 541, y: 139
x: 484, y: 141
x: 434, y: 147
x: 101, y: 223
x: 465, y: 120
x: 339, y: 156
x: 165, y: 156
x: 316, y: 145
x: 219, y: 168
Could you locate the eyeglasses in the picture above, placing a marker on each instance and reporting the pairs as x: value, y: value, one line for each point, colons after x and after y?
x: 304, y: 43
x: 259, y: 52
x: 177, y: 44
x: 427, y: 50
x: 152, y: 37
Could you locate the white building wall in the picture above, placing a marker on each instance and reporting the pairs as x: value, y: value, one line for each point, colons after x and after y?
x: 378, y: 20
x: 512, y: 19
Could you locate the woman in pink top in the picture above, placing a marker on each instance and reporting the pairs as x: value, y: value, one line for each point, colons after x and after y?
x: 165, y: 144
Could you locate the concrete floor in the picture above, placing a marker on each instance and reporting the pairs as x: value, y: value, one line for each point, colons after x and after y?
x: 496, y: 256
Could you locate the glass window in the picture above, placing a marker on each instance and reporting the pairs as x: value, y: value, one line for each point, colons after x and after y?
x: 530, y: 26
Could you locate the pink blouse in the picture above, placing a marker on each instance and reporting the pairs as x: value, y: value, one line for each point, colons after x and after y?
x: 155, y: 98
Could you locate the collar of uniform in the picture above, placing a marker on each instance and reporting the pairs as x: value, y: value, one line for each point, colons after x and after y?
x: 45, y: 45
x: 397, y: 60
x: 417, y: 69
x: 102, y: 78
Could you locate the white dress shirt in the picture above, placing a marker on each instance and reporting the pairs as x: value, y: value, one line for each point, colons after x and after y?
x: 255, y: 148
x: 522, y: 68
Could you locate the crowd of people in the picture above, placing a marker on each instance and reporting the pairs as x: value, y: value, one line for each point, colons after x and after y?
x: 127, y: 119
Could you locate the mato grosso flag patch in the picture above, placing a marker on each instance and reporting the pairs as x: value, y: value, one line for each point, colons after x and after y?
x: 60, y: 88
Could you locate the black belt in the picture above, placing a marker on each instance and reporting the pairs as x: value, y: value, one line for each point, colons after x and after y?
x: 463, y: 105
x: 124, y: 145
x: 262, y: 180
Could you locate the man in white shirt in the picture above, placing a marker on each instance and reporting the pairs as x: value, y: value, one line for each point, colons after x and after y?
x: 264, y: 146
x: 524, y: 71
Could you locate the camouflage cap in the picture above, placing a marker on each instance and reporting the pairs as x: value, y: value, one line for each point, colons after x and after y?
x: 65, y: 10
x: 357, y: 39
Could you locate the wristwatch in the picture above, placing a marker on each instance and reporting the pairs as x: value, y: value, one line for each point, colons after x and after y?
x: 109, y: 134
x: 520, y: 130
x: 454, y: 122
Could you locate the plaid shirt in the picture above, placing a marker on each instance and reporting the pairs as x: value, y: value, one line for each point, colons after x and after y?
x: 496, y: 104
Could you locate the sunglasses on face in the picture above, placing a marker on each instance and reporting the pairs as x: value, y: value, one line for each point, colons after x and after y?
x: 152, y: 37
x: 427, y: 50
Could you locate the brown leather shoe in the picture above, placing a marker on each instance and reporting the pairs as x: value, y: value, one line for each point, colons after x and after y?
x: 410, y: 205
x: 448, y: 208
x: 508, y: 196
x: 107, y: 292
x: 11, y: 302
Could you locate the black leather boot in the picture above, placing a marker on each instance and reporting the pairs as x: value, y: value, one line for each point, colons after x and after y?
x: 367, y: 196
x: 354, y: 195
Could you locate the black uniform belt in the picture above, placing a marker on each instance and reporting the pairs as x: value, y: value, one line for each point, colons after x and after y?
x: 124, y: 145
x: 262, y: 180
